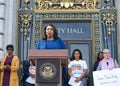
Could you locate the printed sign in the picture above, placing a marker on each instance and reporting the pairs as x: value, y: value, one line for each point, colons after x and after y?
x: 107, y: 77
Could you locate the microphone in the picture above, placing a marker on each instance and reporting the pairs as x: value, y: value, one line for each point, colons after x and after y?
x: 107, y: 63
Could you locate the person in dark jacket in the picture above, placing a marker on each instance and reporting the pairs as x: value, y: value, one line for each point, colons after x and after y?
x: 26, y: 66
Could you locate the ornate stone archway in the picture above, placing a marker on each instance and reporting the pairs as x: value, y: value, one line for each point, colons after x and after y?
x: 33, y: 15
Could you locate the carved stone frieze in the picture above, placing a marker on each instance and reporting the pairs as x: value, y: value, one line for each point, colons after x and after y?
x: 65, y: 4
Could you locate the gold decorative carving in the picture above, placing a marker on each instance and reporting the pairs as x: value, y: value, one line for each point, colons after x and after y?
x: 66, y: 4
x: 26, y: 7
x: 62, y: 15
x: 43, y: 4
x: 108, y: 19
x: 25, y: 20
x: 107, y: 1
x: 26, y: 1
x: 108, y: 7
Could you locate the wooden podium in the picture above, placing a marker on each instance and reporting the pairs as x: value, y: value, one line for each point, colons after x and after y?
x: 48, y: 66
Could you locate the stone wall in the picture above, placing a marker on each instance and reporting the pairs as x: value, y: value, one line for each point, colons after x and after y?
x: 117, y: 3
x: 8, y: 25
x: 2, y: 24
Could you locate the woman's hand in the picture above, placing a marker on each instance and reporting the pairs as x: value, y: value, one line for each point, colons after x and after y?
x: 32, y: 73
x: 71, y: 75
x: 110, y: 68
x: 77, y: 79
x: 7, y: 67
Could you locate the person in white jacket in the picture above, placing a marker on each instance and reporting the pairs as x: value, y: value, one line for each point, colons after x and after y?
x: 30, y: 81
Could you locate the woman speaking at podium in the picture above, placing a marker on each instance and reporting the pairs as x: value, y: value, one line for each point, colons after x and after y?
x: 52, y: 41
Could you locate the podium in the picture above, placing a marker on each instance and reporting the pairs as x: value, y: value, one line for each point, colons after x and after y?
x: 49, y: 66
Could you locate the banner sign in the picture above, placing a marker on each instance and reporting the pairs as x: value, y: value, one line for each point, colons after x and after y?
x: 107, y: 77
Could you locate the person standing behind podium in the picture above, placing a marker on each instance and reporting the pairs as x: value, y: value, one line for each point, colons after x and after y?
x: 52, y: 41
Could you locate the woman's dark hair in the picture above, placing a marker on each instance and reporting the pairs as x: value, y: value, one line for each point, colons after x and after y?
x: 98, y: 59
x: 10, y: 47
x: 55, y: 35
x: 79, y: 52
x: 32, y: 61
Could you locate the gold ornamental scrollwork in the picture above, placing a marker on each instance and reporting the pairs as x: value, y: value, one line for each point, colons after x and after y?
x: 65, y: 4
x: 43, y: 4
x: 26, y: 7
x: 109, y: 20
x: 107, y: 1
x: 26, y: 1
x: 25, y: 22
x: 108, y: 7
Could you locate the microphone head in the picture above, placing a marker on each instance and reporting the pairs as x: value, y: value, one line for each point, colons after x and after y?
x: 107, y: 63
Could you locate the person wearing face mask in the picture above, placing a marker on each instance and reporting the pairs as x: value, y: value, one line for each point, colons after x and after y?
x: 52, y: 41
x: 9, y: 68
x: 107, y: 62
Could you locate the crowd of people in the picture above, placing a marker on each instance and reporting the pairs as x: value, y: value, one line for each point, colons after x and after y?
x: 77, y: 67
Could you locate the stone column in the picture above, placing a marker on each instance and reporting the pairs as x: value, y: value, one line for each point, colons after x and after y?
x: 117, y: 4
x: 2, y: 24
x: 10, y: 30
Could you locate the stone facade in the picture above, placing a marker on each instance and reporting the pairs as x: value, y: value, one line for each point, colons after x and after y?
x: 117, y: 3
x: 8, y: 25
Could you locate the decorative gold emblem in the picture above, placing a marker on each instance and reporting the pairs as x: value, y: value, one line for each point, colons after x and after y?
x: 109, y: 20
x: 47, y: 71
x: 25, y: 20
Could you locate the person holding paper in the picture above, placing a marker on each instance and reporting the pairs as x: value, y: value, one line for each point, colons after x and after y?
x: 77, y: 70
x: 107, y: 62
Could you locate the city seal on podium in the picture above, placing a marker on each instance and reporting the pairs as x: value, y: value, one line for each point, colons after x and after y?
x: 47, y: 71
